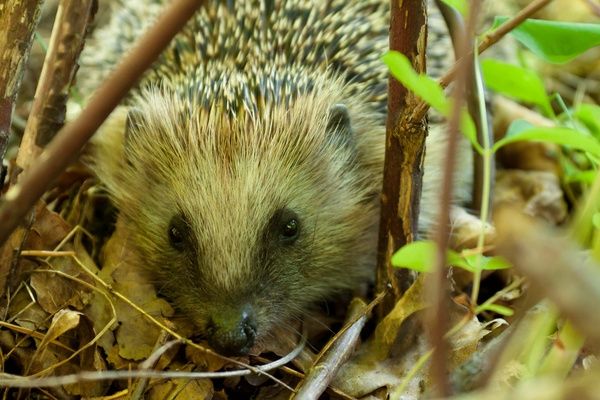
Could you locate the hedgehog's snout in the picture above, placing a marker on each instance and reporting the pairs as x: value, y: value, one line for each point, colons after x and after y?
x: 233, y: 332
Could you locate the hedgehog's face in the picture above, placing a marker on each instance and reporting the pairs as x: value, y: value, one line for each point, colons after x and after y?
x: 245, y: 224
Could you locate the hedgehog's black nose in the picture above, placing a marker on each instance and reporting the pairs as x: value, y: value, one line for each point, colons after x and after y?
x: 233, y: 333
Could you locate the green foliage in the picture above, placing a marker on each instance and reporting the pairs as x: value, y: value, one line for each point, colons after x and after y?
x: 421, y: 85
x: 516, y: 82
x: 428, y: 90
x: 498, y: 309
x: 577, y: 129
x: 462, y: 6
x: 596, y: 220
x: 419, y: 256
x: 559, y: 135
x: 589, y: 116
x: 553, y: 41
x: 585, y: 177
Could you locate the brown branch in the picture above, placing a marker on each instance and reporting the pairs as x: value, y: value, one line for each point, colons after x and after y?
x: 72, y: 137
x: 438, y: 293
x: 404, y: 152
x: 49, y: 105
x: 160, y: 347
x: 556, y: 267
x: 47, y: 112
x: 18, y: 21
x: 454, y: 22
x: 421, y: 108
x: 595, y: 7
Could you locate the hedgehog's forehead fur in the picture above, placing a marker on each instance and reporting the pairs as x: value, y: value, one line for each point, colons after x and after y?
x: 228, y: 174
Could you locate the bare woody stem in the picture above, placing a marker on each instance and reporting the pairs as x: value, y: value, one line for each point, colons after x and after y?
x: 437, y: 288
x: 49, y: 105
x: 404, y: 152
x: 18, y: 21
x: 487, y: 42
x: 72, y: 137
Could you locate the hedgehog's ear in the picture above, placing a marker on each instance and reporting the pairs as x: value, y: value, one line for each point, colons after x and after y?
x: 339, y: 125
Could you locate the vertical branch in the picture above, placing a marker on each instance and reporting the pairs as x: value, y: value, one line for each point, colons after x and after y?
x: 456, y: 29
x: 18, y: 21
x: 437, y: 321
x: 404, y: 151
x: 49, y: 105
x: 47, y: 113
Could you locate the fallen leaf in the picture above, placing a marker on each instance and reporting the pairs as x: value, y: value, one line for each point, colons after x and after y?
x: 536, y: 193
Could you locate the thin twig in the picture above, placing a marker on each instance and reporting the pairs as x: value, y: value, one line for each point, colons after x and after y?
x: 438, y: 288
x: 49, y: 103
x: 337, y: 350
x: 297, y: 374
x: 10, y: 380
x: 72, y: 137
x: 595, y: 7
x: 555, y: 266
x: 160, y: 347
x: 18, y: 22
x: 421, y: 109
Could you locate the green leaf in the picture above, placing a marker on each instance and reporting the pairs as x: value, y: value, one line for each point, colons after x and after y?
x: 554, y: 41
x: 469, y: 263
x: 417, y: 256
x: 563, y: 136
x: 495, y: 263
x: 518, y: 125
x: 498, y: 309
x: 587, y: 177
x: 429, y: 91
x: 423, y: 86
x: 596, y: 220
x: 468, y: 129
x: 462, y: 6
x: 516, y: 82
x: 589, y: 115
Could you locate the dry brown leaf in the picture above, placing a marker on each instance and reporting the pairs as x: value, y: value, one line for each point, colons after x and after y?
x: 54, y: 292
x: 387, y: 359
x: 24, y: 311
x: 47, y: 231
x: 204, y: 361
x: 372, y: 368
x: 63, y: 321
x: 536, y: 193
x: 89, y: 359
x: 135, y: 335
x: 182, y: 389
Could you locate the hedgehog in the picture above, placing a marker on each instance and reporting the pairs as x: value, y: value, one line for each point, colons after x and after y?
x: 247, y: 163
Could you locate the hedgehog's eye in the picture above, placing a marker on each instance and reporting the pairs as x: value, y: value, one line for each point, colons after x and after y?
x: 289, y: 228
x: 289, y: 231
x: 176, y: 234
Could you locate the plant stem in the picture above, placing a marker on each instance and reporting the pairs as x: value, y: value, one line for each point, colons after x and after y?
x: 487, y: 156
